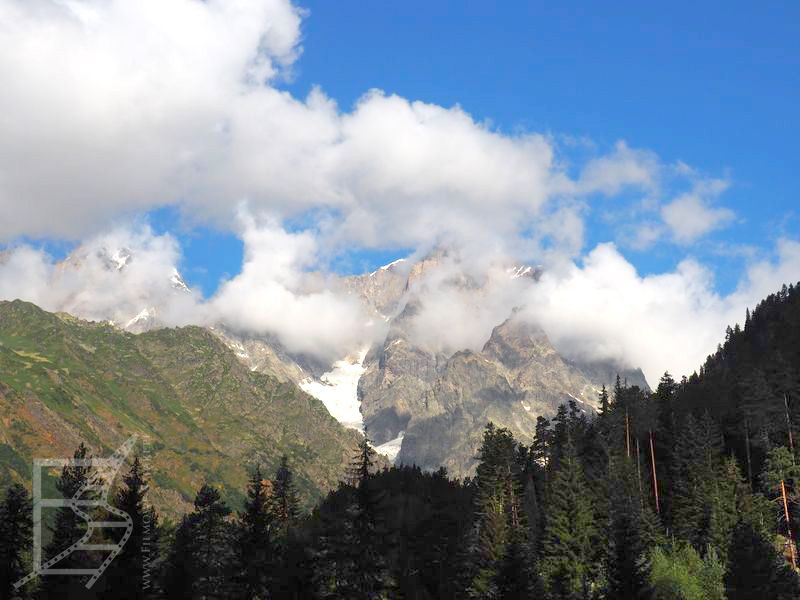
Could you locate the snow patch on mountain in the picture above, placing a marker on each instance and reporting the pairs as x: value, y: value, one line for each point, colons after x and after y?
x: 391, y: 448
x: 140, y: 320
x: 338, y: 390
x: 388, y: 266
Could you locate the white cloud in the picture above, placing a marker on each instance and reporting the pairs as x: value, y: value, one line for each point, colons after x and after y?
x: 112, y: 276
x: 690, y: 215
x: 603, y: 309
x: 274, y: 294
x: 624, y: 167
x: 112, y: 107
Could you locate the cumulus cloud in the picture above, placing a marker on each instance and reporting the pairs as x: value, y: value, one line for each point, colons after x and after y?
x: 690, y: 215
x: 625, y: 166
x: 113, y: 107
x: 601, y: 308
x: 458, y: 302
x: 275, y: 294
x: 113, y: 276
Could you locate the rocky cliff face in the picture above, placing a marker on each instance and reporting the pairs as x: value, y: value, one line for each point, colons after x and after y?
x: 435, y: 404
x: 441, y: 404
x: 423, y: 404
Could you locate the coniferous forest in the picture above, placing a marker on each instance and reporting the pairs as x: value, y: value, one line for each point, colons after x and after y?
x: 689, y: 492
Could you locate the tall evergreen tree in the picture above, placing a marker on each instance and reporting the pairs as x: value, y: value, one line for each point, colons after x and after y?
x: 284, y: 504
x: 125, y: 577
x: 68, y: 529
x: 351, y: 560
x: 631, y: 536
x: 566, y: 549
x: 254, y: 548
x: 755, y: 570
x: 15, y: 538
x: 178, y: 573
x: 211, y: 546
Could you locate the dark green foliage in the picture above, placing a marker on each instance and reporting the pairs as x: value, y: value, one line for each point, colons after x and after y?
x: 201, y: 564
x: 15, y: 538
x: 68, y: 529
x: 351, y: 560
x: 127, y: 577
x: 570, y: 524
x: 755, y: 570
x: 254, y: 544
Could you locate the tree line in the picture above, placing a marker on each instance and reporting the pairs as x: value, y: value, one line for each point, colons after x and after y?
x: 589, y: 510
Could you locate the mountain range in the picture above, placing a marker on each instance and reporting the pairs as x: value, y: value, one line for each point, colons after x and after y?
x: 212, y: 396
x: 206, y: 415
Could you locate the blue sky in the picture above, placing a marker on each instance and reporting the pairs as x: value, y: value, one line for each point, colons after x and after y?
x: 713, y: 84
x: 250, y: 136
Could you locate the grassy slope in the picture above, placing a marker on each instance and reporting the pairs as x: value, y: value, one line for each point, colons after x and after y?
x: 207, y: 417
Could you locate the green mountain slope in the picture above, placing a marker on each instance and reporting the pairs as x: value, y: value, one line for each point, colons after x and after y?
x: 752, y: 378
x: 207, y: 416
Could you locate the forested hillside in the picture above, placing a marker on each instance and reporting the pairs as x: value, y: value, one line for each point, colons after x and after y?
x: 655, y: 498
x: 753, y: 380
x: 205, y: 415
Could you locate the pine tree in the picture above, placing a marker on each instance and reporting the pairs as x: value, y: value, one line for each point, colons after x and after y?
x: 67, y: 530
x: 665, y: 438
x: 211, y: 545
x: 566, y: 548
x: 631, y: 535
x: 755, y: 570
x: 15, y: 538
x: 696, y: 463
x: 284, y: 505
x: 125, y: 578
x: 351, y: 561
x: 727, y: 493
x: 499, y: 517
x: 179, y: 570
x: 603, y: 401
x: 254, y: 548
x: 200, y: 563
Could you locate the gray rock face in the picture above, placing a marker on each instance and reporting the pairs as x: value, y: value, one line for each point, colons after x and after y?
x: 442, y: 402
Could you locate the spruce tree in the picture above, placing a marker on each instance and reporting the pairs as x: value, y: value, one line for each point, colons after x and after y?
x: 179, y: 570
x: 125, y: 577
x: 254, y: 548
x: 284, y: 504
x: 696, y: 464
x: 755, y: 569
x: 500, y: 519
x: 211, y: 545
x: 351, y: 561
x: 68, y: 529
x: 628, y: 541
x: 15, y: 539
x: 566, y: 548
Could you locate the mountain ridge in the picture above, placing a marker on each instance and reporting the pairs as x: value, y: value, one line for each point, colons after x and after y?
x: 64, y: 381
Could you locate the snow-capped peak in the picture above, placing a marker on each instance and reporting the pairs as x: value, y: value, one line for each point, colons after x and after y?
x: 387, y: 267
x: 177, y: 281
x: 143, y: 316
x: 520, y: 271
x: 120, y: 258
